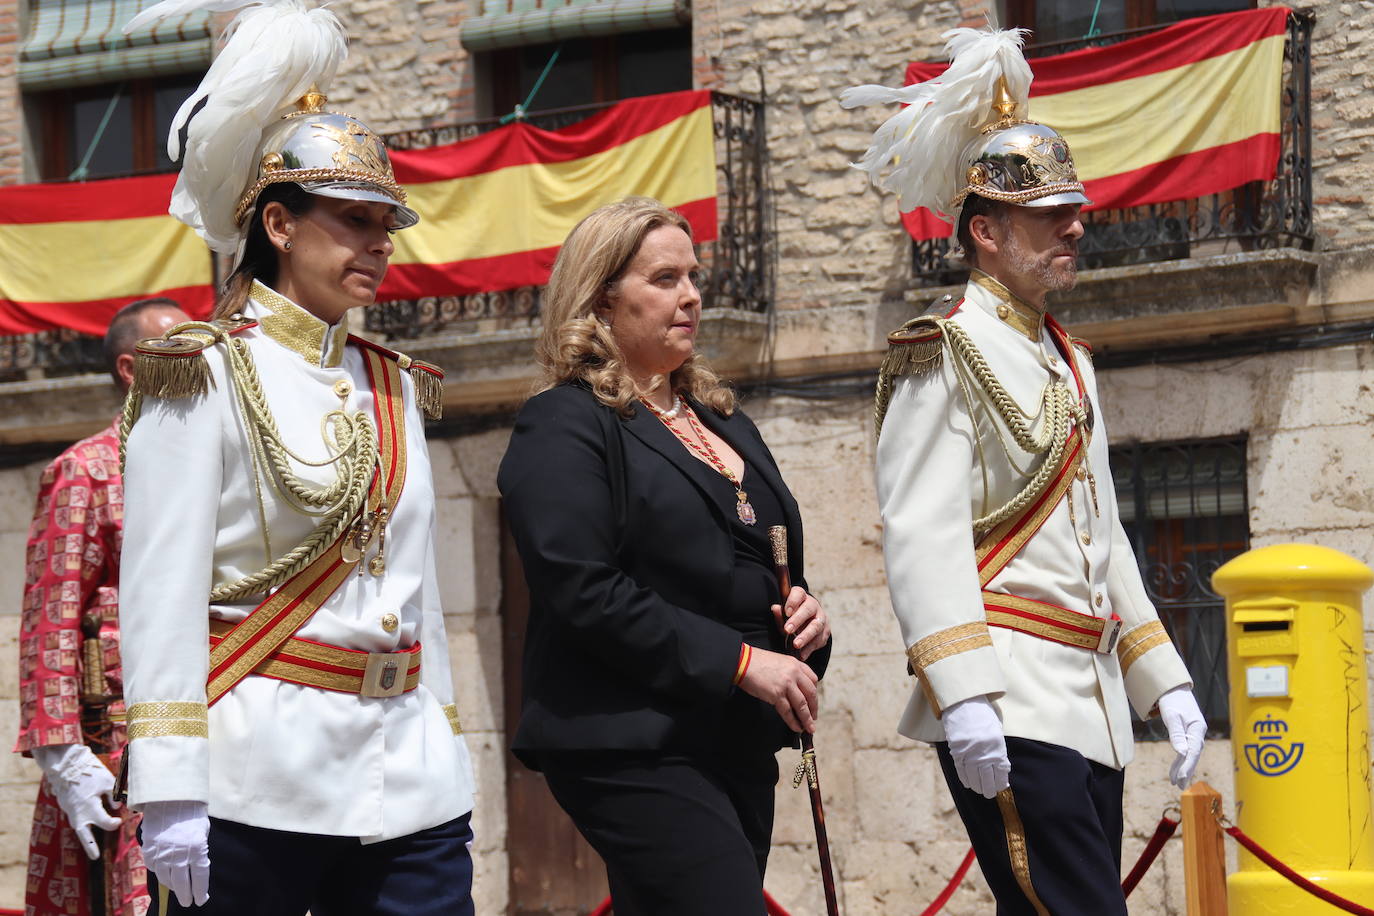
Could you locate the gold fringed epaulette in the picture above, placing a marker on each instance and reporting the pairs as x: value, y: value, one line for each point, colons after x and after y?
x: 428, y: 378
x: 429, y: 387
x: 171, y: 367
x: 916, y: 348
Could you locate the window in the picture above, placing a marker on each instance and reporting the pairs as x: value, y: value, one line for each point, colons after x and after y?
x: 99, y: 102
x: 112, y: 129
x: 1066, y: 20
x: 592, y: 70
x: 1185, y: 510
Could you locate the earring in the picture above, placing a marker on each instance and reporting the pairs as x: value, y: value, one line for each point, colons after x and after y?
x: 287, y: 245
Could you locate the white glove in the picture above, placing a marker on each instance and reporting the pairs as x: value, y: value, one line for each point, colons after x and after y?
x: 176, y: 847
x: 83, y: 786
x: 1182, y: 717
x: 978, y: 746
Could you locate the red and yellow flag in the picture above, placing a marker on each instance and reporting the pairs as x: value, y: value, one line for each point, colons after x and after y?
x: 1190, y: 110
x: 71, y: 255
x: 495, y: 209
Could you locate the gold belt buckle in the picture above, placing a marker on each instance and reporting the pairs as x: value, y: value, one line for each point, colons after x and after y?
x: 1111, y: 629
x: 385, y: 675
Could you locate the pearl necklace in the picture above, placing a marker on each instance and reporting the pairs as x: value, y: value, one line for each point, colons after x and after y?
x: 669, y: 414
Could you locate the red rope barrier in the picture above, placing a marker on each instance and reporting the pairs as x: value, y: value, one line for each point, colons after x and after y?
x: 939, y: 902
x: 775, y: 908
x: 1163, y: 831
x: 1314, y: 889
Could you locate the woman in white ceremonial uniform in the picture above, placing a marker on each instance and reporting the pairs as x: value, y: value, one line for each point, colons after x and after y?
x: 294, y: 743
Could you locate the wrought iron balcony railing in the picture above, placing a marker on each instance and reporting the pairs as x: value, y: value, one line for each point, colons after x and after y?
x: 49, y: 354
x: 738, y: 272
x: 736, y: 263
x: 1257, y: 215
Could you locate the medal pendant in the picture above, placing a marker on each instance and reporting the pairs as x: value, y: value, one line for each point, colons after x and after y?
x: 744, y: 509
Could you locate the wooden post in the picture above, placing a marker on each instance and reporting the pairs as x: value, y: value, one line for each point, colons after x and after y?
x: 1204, y: 853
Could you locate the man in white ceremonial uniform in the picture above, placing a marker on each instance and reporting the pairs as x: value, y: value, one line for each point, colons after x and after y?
x: 294, y: 742
x: 1025, y: 619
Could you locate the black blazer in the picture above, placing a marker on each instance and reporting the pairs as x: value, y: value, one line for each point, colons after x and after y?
x: 624, y: 650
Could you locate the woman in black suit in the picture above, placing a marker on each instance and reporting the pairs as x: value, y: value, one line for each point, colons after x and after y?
x: 656, y: 688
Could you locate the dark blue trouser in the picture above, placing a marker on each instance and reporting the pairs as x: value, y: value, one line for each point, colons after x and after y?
x: 1058, y: 830
x: 254, y: 870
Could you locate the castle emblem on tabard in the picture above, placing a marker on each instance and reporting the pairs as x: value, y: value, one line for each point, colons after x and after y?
x: 1272, y: 754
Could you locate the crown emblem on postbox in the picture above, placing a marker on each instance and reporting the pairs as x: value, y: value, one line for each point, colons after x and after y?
x: 1268, y: 756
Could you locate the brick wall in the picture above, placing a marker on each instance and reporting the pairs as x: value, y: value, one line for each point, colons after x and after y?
x: 406, y: 68
x: 1342, y: 122
x: 11, y: 116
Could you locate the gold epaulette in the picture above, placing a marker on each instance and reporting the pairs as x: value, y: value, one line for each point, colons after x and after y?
x: 428, y: 378
x: 173, y: 366
x: 1083, y: 345
x: 916, y: 348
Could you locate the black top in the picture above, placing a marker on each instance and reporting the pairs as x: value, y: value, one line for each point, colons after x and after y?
x: 635, y: 626
x: 754, y: 587
x: 753, y: 592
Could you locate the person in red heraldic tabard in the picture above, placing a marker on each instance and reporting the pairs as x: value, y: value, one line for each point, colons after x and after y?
x: 294, y: 743
x: 83, y: 858
x: 1025, y: 620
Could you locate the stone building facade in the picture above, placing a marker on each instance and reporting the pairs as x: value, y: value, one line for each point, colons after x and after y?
x: 1272, y: 346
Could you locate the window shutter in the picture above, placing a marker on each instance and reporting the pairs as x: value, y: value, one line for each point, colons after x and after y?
x: 515, y: 23
x: 81, y: 42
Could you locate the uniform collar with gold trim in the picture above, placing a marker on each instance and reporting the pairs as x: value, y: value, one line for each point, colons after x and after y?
x: 1014, y: 311
x: 299, y: 331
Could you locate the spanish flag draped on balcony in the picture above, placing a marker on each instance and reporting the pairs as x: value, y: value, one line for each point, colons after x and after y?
x: 496, y: 208
x: 71, y: 255
x: 1190, y: 110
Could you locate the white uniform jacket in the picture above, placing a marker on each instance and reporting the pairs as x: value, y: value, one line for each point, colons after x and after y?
x: 932, y: 483
x: 278, y: 754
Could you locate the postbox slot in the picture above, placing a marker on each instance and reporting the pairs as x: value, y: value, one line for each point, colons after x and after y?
x: 1266, y: 627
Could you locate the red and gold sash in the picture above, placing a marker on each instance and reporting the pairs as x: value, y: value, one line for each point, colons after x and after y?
x: 285, y: 611
x: 997, y: 548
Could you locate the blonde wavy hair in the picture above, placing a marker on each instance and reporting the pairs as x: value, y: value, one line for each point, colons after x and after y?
x: 574, y: 345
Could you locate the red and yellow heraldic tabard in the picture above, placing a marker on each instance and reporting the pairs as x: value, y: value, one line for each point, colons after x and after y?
x: 1190, y: 110
x: 495, y: 209
x: 71, y: 255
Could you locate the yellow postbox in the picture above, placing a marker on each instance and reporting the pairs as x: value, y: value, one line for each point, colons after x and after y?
x: 1299, y: 725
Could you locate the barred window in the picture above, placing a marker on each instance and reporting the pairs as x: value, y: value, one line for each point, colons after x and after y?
x: 1186, y: 512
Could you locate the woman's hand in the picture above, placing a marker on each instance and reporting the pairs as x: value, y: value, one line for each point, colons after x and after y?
x: 803, y: 622
x: 786, y: 684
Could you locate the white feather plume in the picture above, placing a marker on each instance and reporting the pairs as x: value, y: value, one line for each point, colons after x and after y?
x: 916, y: 153
x: 274, y: 51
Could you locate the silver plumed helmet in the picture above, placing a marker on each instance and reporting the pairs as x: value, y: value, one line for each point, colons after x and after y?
x: 326, y: 153
x: 1019, y: 162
